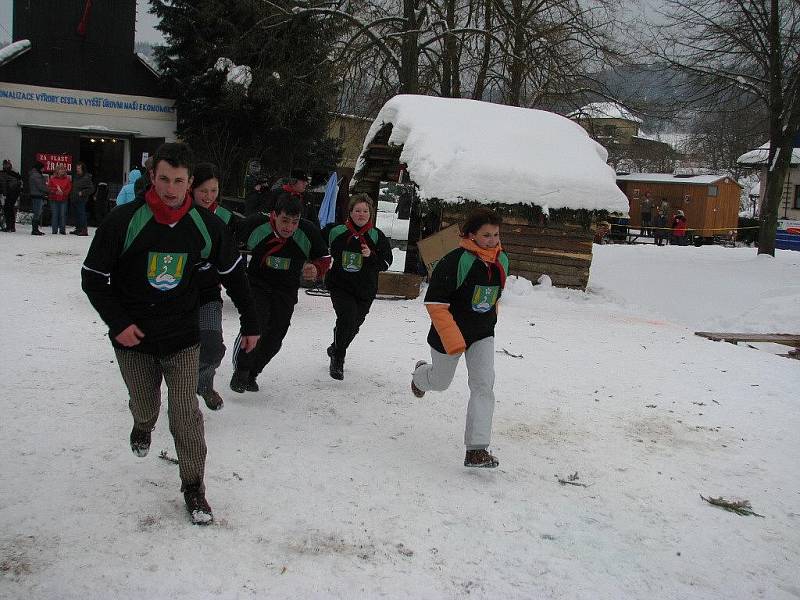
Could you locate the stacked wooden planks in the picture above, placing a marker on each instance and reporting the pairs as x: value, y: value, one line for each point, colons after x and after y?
x: 562, y: 251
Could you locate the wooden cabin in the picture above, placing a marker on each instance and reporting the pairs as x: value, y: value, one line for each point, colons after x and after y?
x: 559, y: 246
x: 709, y: 202
x: 542, y: 172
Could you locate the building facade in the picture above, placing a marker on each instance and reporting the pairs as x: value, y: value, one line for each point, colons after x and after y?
x: 78, y: 92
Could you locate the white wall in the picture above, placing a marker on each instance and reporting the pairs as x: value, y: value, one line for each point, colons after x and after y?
x: 788, y: 193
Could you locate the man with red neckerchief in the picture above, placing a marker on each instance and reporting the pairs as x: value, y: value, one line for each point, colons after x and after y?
x: 141, y: 276
x: 283, y: 246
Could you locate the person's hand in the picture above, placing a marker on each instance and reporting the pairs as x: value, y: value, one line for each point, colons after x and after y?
x: 365, y: 251
x: 130, y: 336
x: 309, y: 272
x: 248, y: 342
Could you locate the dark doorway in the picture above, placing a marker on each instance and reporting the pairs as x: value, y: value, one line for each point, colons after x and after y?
x: 104, y: 158
x: 142, y: 148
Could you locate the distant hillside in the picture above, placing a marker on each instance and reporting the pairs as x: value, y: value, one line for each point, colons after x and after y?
x: 144, y: 48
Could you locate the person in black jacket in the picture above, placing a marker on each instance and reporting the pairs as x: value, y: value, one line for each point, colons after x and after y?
x: 10, y: 188
x: 282, y: 245
x: 359, y: 251
x: 141, y: 275
x: 205, y: 191
x: 462, y: 302
x: 37, y: 188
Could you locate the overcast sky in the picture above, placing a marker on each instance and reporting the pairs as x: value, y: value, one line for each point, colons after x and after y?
x: 145, y: 23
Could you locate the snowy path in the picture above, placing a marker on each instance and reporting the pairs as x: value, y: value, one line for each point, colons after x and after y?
x: 355, y: 489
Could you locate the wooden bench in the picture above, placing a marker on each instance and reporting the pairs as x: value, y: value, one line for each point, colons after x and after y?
x: 787, y: 339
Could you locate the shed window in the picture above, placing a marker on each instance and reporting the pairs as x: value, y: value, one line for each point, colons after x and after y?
x: 797, y: 196
x: 713, y: 191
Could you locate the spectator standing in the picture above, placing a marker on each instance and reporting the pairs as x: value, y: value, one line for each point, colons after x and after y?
x: 10, y: 188
x: 37, y: 187
x: 82, y: 189
x: 59, y: 187
x: 647, y: 214
x: 679, y: 229
x: 128, y: 191
x: 142, y: 183
x: 660, y: 228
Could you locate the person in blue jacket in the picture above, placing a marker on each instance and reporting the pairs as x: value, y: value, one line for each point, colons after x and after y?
x: 127, y: 193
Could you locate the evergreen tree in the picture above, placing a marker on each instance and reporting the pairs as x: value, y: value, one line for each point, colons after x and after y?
x: 280, y: 116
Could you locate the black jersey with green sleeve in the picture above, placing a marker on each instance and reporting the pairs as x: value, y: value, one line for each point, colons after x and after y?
x: 141, y: 272
x: 281, y: 269
x: 471, y: 288
x: 351, y: 271
x: 208, y: 278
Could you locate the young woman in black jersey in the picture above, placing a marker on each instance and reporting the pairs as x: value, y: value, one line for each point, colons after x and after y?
x: 205, y: 193
x: 359, y: 251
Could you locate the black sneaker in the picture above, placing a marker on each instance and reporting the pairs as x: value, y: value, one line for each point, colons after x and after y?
x: 414, y: 389
x: 239, y: 381
x: 140, y: 442
x: 198, y: 508
x: 213, y: 400
x: 251, y: 385
x: 480, y: 458
x: 337, y: 367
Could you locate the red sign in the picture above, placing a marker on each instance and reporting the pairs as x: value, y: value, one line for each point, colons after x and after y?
x: 51, y: 161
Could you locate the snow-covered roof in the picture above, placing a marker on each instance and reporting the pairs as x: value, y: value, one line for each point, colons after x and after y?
x: 676, y: 140
x: 467, y: 149
x: 670, y: 178
x: 603, y: 110
x: 147, y: 62
x: 14, y: 50
x: 759, y: 156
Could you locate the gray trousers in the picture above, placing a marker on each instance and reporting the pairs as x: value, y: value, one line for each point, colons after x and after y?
x: 212, y: 346
x: 438, y: 375
x: 142, y: 374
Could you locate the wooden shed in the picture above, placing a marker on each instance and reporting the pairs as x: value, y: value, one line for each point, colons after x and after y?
x: 540, y: 170
x: 710, y: 202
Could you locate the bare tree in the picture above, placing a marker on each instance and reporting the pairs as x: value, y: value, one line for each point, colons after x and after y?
x: 750, y: 46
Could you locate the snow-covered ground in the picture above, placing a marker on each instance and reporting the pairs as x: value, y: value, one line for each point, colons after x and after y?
x: 355, y: 489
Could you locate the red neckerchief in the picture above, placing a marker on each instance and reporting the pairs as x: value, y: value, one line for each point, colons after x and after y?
x: 288, y: 188
x: 213, y: 206
x: 276, y: 243
x: 359, y: 234
x: 161, y: 212
x: 490, y: 256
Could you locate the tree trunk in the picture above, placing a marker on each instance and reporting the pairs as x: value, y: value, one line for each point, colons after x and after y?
x: 781, y: 138
x: 409, y: 67
x: 451, y: 45
x: 517, y: 69
x: 480, y: 81
x: 777, y: 171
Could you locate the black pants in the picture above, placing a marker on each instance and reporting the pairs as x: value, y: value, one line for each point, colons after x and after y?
x: 646, y: 223
x: 275, y: 307
x: 9, y: 213
x: 350, y: 314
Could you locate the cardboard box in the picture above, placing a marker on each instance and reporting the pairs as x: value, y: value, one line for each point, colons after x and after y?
x: 435, y: 246
x: 401, y: 285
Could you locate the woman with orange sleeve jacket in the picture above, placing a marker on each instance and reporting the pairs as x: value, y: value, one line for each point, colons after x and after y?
x: 462, y: 297
x: 58, y: 188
